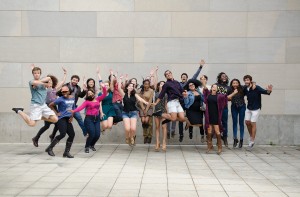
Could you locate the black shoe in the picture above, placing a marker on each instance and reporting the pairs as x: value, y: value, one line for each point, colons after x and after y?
x: 86, y: 150
x: 241, y: 143
x: 149, y: 140
x: 225, y: 141
x: 235, y: 141
x: 165, y: 121
x: 180, y: 138
x: 157, y: 113
x: 17, y: 109
x: 173, y: 134
x: 145, y: 140
x: 51, y: 146
x: 191, y: 135
x: 35, y: 141
x: 168, y: 135
x: 93, y: 148
x: 67, y: 150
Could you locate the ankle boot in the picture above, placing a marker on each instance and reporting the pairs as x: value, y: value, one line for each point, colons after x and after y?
x: 35, y: 141
x: 219, y: 142
x: 209, y: 142
x: 241, y: 143
x: 50, y: 147
x: 67, y: 150
x: 235, y: 141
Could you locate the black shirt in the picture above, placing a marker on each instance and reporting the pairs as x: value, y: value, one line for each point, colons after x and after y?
x: 129, y: 103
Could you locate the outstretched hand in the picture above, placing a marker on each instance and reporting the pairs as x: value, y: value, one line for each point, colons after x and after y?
x: 202, y: 62
x: 65, y: 71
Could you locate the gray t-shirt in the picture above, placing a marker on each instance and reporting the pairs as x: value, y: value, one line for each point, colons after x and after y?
x: 38, y: 94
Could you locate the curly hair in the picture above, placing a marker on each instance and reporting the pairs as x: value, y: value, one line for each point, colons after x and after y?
x: 54, y: 80
x: 219, y: 78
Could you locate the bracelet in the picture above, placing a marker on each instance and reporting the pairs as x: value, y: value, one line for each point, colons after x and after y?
x: 100, y: 81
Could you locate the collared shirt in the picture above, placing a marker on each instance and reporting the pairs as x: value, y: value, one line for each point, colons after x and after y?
x: 173, y: 90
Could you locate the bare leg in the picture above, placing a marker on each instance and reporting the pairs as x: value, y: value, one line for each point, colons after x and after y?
x: 126, y: 122
x: 249, y: 127
x: 110, y: 122
x: 157, y: 131
x: 27, y: 119
x: 132, y: 130
x: 164, y: 145
x: 52, y: 118
x: 253, y: 131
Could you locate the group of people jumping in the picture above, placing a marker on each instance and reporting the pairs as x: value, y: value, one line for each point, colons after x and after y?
x: 162, y: 102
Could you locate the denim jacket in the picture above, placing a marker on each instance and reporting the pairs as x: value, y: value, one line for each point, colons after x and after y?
x: 189, y: 100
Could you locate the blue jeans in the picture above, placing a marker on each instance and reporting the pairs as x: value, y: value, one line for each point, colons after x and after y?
x: 118, y: 110
x: 79, y: 120
x: 235, y: 113
x: 92, y: 124
x: 225, y: 121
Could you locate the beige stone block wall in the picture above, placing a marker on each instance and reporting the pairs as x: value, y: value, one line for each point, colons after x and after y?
x: 256, y: 37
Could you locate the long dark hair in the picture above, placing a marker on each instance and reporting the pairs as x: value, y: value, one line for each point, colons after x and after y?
x: 87, y: 84
x: 239, y: 88
x: 54, y: 80
x: 219, y: 78
x: 126, y: 90
x: 157, y: 86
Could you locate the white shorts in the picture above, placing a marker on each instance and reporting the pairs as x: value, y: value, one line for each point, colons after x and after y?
x: 38, y: 111
x: 174, y: 106
x: 252, y: 115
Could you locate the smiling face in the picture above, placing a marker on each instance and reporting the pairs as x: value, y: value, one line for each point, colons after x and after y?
x: 74, y: 81
x: 192, y: 86
x: 65, y: 91
x: 235, y: 84
x: 247, y: 82
x: 224, y: 78
x: 91, y: 84
x: 203, y: 79
x: 146, y: 85
x: 130, y: 87
x: 214, y: 89
x: 106, y: 84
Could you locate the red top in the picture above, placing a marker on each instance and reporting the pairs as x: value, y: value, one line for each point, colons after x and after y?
x: 116, y: 94
x: 92, y: 108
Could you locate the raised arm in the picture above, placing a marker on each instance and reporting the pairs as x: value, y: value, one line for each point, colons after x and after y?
x: 103, y: 95
x: 121, y: 91
x: 195, y: 76
x: 60, y: 84
x: 112, y: 86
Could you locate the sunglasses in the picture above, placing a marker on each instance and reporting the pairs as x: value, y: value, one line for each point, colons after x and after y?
x: 64, y: 92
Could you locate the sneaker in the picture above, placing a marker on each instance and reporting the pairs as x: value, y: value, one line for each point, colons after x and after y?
x: 165, y: 121
x: 250, y: 146
x: 93, y: 148
x: 17, y: 109
x: 86, y: 150
x: 202, y: 139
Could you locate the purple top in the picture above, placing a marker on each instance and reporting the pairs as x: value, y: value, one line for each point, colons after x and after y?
x: 173, y: 90
x: 222, y: 102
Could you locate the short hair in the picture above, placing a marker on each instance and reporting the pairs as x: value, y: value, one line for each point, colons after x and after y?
x: 75, y: 76
x: 36, y: 69
x: 204, y: 77
x: 167, y: 71
x: 247, y: 77
x: 185, y: 75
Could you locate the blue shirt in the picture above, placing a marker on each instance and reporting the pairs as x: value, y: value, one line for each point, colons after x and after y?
x: 254, y: 97
x: 38, y: 94
x: 64, y: 106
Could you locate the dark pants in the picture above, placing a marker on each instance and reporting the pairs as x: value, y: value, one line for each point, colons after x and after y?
x: 238, y: 112
x: 45, y: 127
x: 65, y: 127
x: 92, y: 124
x: 171, y: 126
x: 79, y: 120
x: 118, y: 110
x: 180, y: 126
x: 225, y: 121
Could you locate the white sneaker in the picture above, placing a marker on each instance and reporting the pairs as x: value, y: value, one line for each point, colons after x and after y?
x: 250, y: 146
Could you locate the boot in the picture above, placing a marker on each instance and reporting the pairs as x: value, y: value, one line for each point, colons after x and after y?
x: 50, y: 147
x: 219, y: 142
x: 51, y: 137
x: 209, y: 143
x: 235, y: 141
x: 35, y: 141
x: 149, y: 140
x: 225, y: 140
x: 241, y: 143
x: 67, y: 150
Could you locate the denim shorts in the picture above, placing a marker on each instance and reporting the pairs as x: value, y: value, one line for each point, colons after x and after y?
x: 131, y: 114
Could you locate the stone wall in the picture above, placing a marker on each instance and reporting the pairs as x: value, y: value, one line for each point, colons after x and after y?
x: 260, y: 38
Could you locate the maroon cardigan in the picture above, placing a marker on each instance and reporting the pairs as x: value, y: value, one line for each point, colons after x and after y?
x: 222, y: 102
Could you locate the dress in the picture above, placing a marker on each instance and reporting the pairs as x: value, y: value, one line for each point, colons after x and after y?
x: 107, y: 106
x: 161, y: 106
x: 193, y: 113
x: 213, y: 109
x: 147, y: 96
